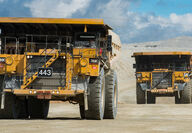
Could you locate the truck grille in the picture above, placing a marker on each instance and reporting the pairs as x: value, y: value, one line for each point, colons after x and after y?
x: 58, y: 76
x: 161, y: 80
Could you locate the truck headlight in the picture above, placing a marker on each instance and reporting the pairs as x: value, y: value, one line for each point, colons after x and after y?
x: 138, y: 75
x: 83, y: 62
x: 9, y: 60
x: 29, y: 56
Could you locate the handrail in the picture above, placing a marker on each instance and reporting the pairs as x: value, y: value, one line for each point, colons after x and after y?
x: 40, y: 60
x: 29, y: 65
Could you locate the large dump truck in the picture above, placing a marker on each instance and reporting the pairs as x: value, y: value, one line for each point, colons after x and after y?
x: 163, y: 74
x: 44, y: 59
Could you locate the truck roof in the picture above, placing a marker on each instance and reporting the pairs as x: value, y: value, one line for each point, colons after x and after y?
x: 161, y: 53
x: 52, y: 20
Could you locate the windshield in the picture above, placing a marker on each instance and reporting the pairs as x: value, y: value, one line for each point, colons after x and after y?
x: 85, y: 40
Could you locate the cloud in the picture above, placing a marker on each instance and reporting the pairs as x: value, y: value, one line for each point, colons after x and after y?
x: 114, y: 12
x: 131, y: 26
x: 149, y: 27
x: 142, y: 27
x: 57, y: 8
x: 183, y: 21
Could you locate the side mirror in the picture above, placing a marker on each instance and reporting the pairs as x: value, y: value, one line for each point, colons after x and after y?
x: 109, y: 43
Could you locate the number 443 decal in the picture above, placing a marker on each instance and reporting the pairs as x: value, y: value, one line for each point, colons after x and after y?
x: 45, y: 72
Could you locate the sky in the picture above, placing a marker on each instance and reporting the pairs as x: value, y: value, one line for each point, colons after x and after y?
x: 134, y: 20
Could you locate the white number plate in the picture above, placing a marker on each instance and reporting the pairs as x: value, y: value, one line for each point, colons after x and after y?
x: 45, y: 72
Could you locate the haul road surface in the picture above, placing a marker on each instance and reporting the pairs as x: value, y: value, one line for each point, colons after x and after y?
x: 64, y: 117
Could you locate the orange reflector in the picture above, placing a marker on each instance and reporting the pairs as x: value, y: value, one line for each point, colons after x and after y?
x: 47, y: 92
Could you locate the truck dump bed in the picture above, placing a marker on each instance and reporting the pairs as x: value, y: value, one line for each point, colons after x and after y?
x: 161, y: 53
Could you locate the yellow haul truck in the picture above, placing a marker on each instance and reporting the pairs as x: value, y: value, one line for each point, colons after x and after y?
x: 163, y: 74
x: 46, y: 59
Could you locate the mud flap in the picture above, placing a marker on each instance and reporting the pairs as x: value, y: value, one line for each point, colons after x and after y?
x: 86, y: 93
x: 86, y: 100
x: 2, y: 100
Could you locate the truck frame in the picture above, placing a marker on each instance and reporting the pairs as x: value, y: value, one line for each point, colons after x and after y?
x: 44, y: 59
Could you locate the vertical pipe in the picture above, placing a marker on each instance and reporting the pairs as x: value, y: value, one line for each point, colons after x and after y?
x: 45, y: 50
x: 0, y: 46
x: 17, y: 46
x: 31, y: 43
x: 5, y: 46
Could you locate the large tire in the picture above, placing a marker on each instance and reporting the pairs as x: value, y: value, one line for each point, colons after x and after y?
x: 7, y: 112
x: 20, y: 110
x: 96, y: 97
x: 140, y: 95
x: 186, y: 93
x: 111, y: 95
x: 151, y: 99
x: 82, y: 107
x: 14, y: 108
x: 82, y: 111
x: 38, y: 109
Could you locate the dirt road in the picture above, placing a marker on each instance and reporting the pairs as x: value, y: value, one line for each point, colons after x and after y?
x: 131, y: 118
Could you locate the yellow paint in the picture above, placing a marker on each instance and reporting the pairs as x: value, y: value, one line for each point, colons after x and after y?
x: 69, y: 71
x: 177, y: 76
x: 85, y: 54
x: 73, y: 68
x: 17, y: 64
x: 85, y: 28
x: 14, y: 65
x: 33, y: 92
x: 51, y: 20
x: 27, y: 82
x: 146, y: 76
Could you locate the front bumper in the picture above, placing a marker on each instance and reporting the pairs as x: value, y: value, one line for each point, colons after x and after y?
x: 163, y: 91
x: 36, y: 92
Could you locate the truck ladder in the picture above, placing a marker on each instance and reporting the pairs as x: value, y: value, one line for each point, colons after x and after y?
x: 69, y: 72
x: 35, y: 75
